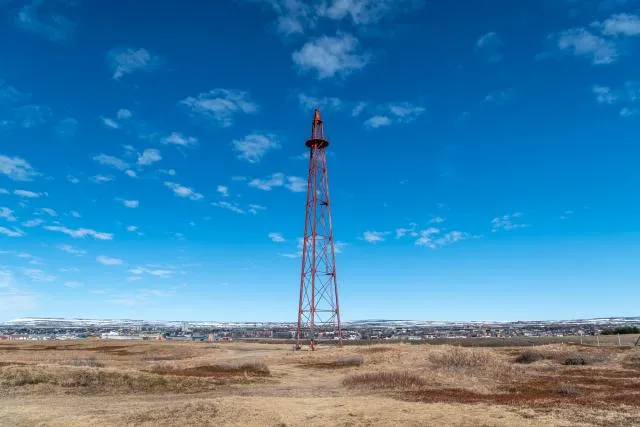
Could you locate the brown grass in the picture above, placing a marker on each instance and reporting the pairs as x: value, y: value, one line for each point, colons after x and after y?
x: 385, y: 381
x: 169, y: 383
x: 341, y: 362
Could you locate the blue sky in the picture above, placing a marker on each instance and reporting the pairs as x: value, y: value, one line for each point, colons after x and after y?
x: 484, y: 157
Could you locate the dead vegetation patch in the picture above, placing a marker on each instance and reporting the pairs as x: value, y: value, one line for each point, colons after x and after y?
x: 385, y: 381
x: 583, y: 356
x: 85, y: 361
x: 341, y: 362
x: 255, y: 368
x: 96, y: 380
x: 455, y: 357
x: 197, y: 413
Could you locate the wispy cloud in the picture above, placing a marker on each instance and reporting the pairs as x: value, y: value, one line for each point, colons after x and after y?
x: 583, y: 42
x: 331, y: 56
x: 99, y: 179
x: 176, y: 138
x: 49, y: 211
x: 308, y: 102
x: 182, y: 191
x: 28, y: 194
x: 292, y: 183
x: 500, y: 97
x: 219, y: 105
x: 17, y: 168
x: 507, y: 222
x: 394, y: 112
x: 149, y: 156
x: 79, y: 233
x: 105, y: 260
x: 111, y: 161
x: 374, y: 236
x: 123, y: 61
x: 224, y: 190
x: 11, y: 232
x: 253, y: 147
x: 72, y: 250
x: 132, y: 204
x: 277, y: 237
x: 37, y: 19
x: 489, y: 46
x: 7, y: 214
x: 233, y: 207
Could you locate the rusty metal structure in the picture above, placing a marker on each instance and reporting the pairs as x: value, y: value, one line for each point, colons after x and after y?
x: 318, y: 309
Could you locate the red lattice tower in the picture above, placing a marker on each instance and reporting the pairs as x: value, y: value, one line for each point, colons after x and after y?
x: 318, y: 310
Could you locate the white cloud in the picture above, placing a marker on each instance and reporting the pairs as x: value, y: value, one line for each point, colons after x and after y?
x: 131, y: 203
x: 110, y: 123
x: 38, y: 275
x: 233, y: 207
x: 437, y: 220
x: 15, y: 232
x: 80, y: 233
x: 374, y: 236
x: 401, y: 232
x: 428, y: 239
x: 152, y: 271
x: 7, y: 214
x: 582, y: 42
x: 296, y: 184
x: 75, y: 214
x: 182, y: 191
x: 253, y: 147
x: 506, y: 222
x: 621, y: 24
x: 364, y: 12
x: 311, y: 102
x: 405, y: 111
x: 220, y: 105
x: 124, y: 61
x: 331, y: 56
x: 277, y: 237
x: 224, y: 190
x: 488, y: 45
x: 131, y: 173
x: 32, y: 223
x: 359, y: 108
x: 111, y: 161
x: 132, y: 228
x: 149, y: 156
x: 51, y: 25
x: 629, y: 112
x: 3, y: 191
x: 28, y: 194
x: 176, y: 138
x: 377, y: 121
x: 49, y: 211
x: 124, y: 114
x: 275, y: 180
x: 99, y: 179
x: 105, y: 260
x: 72, y: 179
x: 604, y: 94
x: 16, y: 168
x: 254, y: 209
x: 72, y: 250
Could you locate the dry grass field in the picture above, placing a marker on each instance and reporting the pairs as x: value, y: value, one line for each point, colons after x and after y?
x: 118, y: 383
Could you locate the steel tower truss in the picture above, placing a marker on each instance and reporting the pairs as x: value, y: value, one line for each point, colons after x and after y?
x: 318, y: 310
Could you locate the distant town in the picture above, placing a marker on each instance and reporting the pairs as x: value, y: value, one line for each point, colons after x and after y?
x: 358, y: 331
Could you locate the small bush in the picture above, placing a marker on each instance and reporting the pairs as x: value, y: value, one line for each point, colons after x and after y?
x: 529, y: 356
x: 460, y: 357
x: 575, y: 361
x: 254, y: 367
x: 86, y: 361
x: 385, y: 381
x: 632, y: 360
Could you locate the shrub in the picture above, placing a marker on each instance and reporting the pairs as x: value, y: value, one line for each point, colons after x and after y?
x: 460, y: 357
x: 385, y: 381
x: 86, y: 361
x: 568, y: 390
x: 575, y: 361
x: 529, y: 356
x: 350, y: 360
